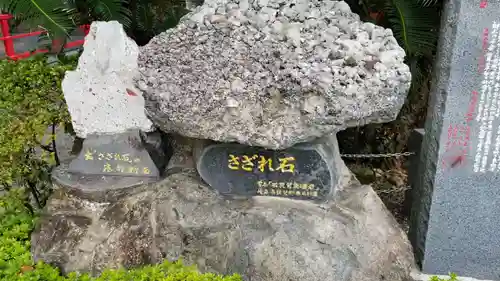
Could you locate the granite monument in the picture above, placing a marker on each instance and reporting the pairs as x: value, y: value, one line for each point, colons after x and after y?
x: 455, y: 204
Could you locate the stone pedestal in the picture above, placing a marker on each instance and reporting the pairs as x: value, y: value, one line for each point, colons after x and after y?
x: 350, y: 238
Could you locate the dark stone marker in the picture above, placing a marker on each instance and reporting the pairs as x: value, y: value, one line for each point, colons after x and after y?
x: 303, y: 172
x: 118, y: 161
x: 115, y: 155
x: 95, y: 186
x: 455, y: 220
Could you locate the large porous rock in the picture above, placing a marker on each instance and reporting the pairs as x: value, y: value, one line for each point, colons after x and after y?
x: 100, y: 93
x: 272, y: 73
x: 353, y: 238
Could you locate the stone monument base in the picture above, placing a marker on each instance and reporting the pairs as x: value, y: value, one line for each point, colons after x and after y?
x: 350, y: 238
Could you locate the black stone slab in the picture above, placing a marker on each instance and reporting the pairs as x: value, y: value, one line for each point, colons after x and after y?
x: 305, y: 172
x: 86, y: 178
x: 455, y: 220
x: 125, y: 154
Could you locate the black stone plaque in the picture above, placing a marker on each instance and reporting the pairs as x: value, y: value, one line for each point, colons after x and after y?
x: 114, y: 155
x: 240, y: 170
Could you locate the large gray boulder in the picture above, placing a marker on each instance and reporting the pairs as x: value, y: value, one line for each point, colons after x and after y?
x: 272, y: 73
x: 351, y: 238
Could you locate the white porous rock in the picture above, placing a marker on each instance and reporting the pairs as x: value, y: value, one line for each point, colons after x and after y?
x: 272, y: 73
x: 100, y: 92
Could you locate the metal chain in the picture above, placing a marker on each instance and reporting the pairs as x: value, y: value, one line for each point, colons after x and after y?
x: 381, y: 155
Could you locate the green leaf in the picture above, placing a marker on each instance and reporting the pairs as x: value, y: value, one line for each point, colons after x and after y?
x: 414, y: 26
x: 152, y: 17
x: 46, y: 14
x: 30, y: 102
x: 108, y: 10
x: 60, y: 17
x: 428, y: 3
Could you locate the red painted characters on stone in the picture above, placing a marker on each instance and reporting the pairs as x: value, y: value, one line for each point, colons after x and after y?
x: 130, y: 92
x: 482, y: 60
x: 457, y: 144
x: 458, y: 136
x: 471, y: 111
x: 456, y: 148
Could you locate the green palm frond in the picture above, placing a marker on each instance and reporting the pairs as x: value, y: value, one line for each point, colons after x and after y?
x: 428, y: 3
x: 70, y: 7
x: 157, y: 16
x: 5, y: 6
x: 49, y: 14
x: 107, y: 10
x: 172, y: 17
x: 414, y: 26
x: 416, y: 70
x: 144, y: 17
x: 60, y: 17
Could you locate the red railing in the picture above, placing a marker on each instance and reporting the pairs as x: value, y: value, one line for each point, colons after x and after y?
x: 8, y: 39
